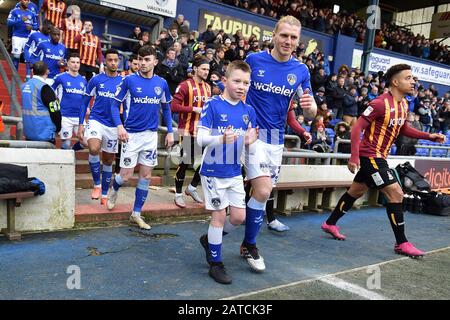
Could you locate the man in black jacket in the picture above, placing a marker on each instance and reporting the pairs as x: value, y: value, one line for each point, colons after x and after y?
x: 171, y: 70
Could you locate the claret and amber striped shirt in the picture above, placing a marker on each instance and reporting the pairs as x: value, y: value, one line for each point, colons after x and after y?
x: 189, y: 94
x: 71, y: 29
x: 90, y: 49
x: 55, y: 11
x: 386, y: 117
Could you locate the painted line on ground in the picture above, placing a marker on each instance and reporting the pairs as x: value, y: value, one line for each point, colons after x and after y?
x: 319, y: 278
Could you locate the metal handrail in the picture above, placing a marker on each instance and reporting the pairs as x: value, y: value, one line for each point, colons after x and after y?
x: 110, y: 36
x: 318, y: 155
x: 18, y: 122
x: 11, y: 85
x: 293, y: 137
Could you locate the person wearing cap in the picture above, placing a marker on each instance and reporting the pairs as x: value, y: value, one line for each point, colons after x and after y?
x: 320, y: 96
x: 425, y: 116
x: 210, y: 54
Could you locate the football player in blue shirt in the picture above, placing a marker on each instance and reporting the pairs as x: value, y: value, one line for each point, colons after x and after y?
x: 144, y: 94
x: 34, y: 39
x: 22, y: 21
x: 52, y: 53
x: 277, y: 77
x: 101, y: 133
x: 227, y: 127
x: 70, y: 87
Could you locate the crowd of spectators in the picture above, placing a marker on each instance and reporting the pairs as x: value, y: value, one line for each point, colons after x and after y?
x: 389, y: 36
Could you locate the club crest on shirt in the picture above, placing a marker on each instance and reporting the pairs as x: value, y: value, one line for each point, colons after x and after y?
x: 245, y: 118
x: 158, y: 90
x: 61, y: 52
x: 81, y: 84
x: 215, y: 202
x: 291, y: 78
x: 368, y: 111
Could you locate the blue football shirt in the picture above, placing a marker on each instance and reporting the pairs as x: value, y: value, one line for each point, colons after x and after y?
x: 224, y: 161
x: 273, y: 84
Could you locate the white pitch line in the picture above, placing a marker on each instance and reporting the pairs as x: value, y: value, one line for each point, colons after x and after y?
x: 319, y: 278
x: 349, y: 287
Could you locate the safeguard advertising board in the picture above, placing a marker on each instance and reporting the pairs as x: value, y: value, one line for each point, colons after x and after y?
x: 230, y: 25
x: 425, y: 72
x: 436, y: 172
x: 162, y: 7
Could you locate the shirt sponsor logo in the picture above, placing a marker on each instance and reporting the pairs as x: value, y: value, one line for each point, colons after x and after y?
x: 106, y: 94
x: 153, y: 100
x: 270, y: 87
x: 75, y: 91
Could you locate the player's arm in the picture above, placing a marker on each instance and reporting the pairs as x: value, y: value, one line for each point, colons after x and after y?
x: 119, y: 97
x: 35, y: 24
x: 298, y: 129
x: 87, y: 97
x: 167, y: 115
x: 12, y: 20
x: 251, y: 135
x: 35, y: 56
x: 26, y: 49
x: 177, y: 105
x: 410, y: 132
x: 360, y: 125
x: 49, y: 99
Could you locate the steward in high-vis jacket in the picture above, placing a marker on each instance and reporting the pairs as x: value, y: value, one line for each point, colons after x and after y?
x: 41, y: 113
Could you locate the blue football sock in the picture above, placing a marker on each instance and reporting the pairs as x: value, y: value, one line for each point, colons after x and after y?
x: 254, y: 219
x: 141, y: 194
x: 215, y: 243
x: 106, y: 179
x: 94, y: 163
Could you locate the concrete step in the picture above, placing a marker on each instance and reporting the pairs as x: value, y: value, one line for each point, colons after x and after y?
x: 92, y: 213
x: 84, y: 181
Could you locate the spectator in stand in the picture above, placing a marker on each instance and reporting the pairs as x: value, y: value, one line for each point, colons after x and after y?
x: 230, y: 53
x: 342, y: 132
x: 425, y: 117
x: 318, y: 79
x: 320, y: 96
x: 373, y: 93
x: 135, y: 35
x: 144, y: 41
x: 208, y: 36
x: 168, y: 41
x: 187, y: 54
x: 171, y: 70
x: 181, y: 24
x: 363, y: 100
x: 200, y: 49
x: 327, y: 115
x: 338, y: 95
x: 321, y: 141
x: 350, y: 106
x: 217, y: 63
